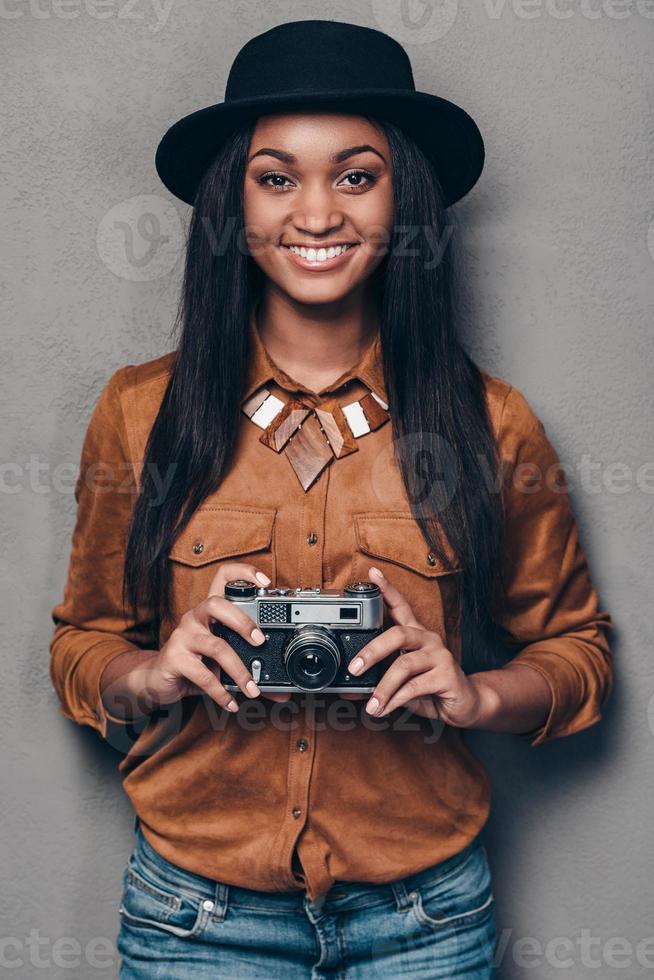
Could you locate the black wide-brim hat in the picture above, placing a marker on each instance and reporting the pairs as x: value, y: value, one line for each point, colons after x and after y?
x: 330, y: 65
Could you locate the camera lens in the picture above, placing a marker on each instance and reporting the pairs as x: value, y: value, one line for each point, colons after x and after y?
x: 310, y: 664
x: 312, y: 658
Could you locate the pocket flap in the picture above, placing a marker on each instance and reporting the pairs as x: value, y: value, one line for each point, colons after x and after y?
x: 216, y: 532
x: 397, y: 538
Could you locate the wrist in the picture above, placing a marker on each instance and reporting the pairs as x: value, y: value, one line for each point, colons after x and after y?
x: 512, y: 699
x: 123, y: 683
x: 490, y: 702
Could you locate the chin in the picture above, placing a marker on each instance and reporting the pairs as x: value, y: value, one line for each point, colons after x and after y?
x: 314, y: 293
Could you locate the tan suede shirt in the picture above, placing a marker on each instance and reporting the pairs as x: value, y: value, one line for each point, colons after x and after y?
x: 233, y: 796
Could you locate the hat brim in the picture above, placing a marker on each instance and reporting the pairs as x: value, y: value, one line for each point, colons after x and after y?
x: 444, y: 131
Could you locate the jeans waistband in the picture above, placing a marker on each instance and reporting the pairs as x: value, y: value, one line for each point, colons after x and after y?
x: 343, y: 894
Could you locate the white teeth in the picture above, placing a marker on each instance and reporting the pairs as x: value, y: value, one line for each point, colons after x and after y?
x: 320, y: 254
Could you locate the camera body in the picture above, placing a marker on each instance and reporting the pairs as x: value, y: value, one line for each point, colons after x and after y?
x: 312, y: 635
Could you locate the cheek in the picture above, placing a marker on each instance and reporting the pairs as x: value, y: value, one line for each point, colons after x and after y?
x: 260, y: 225
x: 378, y: 236
x: 257, y: 237
x: 377, y: 214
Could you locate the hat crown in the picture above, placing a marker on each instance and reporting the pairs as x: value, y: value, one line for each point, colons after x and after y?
x: 310, y: 65
x: 318, y: 55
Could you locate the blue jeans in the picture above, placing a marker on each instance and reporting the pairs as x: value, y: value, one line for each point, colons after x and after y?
x: 437, y: 923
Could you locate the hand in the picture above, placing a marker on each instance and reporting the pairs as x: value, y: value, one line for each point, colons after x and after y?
x: 178, y: 669
x: 232, y: 570
x: 426, y: 678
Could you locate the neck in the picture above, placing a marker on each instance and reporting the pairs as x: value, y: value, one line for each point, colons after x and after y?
x: 315, y: 344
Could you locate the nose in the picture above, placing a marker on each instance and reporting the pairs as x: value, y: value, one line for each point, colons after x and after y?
x: 315, y: 228
x: 316, y: 216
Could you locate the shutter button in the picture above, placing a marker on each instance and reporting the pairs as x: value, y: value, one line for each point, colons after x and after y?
x: 198, y: 548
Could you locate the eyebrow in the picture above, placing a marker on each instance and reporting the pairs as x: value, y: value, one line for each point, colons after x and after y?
x: 338, y: 157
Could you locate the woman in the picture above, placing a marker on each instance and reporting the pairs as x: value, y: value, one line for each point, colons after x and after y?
x: 319, y: 424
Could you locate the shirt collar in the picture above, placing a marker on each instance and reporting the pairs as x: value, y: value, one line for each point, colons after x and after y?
x: 261, y: 368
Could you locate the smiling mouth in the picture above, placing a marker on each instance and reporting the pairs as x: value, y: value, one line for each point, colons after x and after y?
x: 319, y: 256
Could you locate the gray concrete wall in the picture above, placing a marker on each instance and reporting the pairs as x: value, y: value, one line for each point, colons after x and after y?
x: 560, y: 251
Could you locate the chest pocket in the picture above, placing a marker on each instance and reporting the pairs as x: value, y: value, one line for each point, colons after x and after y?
x: 217, y: 534
x: 395, y: 544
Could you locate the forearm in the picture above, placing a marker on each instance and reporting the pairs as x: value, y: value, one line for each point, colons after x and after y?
x: 123, y: 684
x: 515, y: 698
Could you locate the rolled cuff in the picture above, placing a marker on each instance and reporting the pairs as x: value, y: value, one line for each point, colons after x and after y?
x: 81, y: 698
x: 575, y: 701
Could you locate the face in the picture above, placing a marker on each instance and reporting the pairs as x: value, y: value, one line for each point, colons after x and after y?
x: 318, y: 181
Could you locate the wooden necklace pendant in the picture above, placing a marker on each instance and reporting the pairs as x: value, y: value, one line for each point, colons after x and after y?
x: 311, y: 436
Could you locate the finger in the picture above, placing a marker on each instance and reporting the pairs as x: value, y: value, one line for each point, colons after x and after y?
x: 236, y: 569
x: 272, y: 696
x: 398, y: 604
x: 416, y: 687
x: 216, y: 607
x: 205, y: 679
x: 220, y: 652
x: 401, y: 674
x: 395, y: 638
x: 193, y: 689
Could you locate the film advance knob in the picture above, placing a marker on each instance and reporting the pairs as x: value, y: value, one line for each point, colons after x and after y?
x: 240, y: 588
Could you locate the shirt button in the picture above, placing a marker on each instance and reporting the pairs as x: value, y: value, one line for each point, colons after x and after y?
x: 198, y: 548
x: 312, y: 538
x: 296, y: 811
x: 431, y: 559
x: 302, y: 744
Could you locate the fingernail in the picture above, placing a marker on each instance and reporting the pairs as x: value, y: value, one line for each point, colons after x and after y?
x: 263, y: 578
x: 232, y: 706
x: 356, y: 665
x: 257, y: 635
x: 252, y: 688
x: 372, y: 706
x: 373, y: 568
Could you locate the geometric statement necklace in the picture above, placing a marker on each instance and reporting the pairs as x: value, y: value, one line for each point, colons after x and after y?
x: 312, y: 436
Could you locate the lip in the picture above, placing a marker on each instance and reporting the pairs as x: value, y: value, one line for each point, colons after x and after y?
x: 325, y: 266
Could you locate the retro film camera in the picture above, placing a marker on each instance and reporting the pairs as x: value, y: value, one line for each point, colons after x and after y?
x: 312, y: 634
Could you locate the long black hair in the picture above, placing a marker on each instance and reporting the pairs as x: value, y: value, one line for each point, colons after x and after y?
x: 441, y: 429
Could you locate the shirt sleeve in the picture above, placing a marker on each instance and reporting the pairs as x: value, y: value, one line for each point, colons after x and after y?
x: 90, y: 627
x: 550, y: 612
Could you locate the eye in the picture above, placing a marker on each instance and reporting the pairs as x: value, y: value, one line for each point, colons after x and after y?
x: 263, y: 180
x: 356, y: 188
x: 361, y: 173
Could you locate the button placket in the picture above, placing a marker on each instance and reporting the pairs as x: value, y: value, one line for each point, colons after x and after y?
x: 312, y: 541
x: 298, y: 776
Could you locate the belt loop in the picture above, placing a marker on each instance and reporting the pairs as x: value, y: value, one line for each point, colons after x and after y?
x: 221, y: 900
x: 403, y: 898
